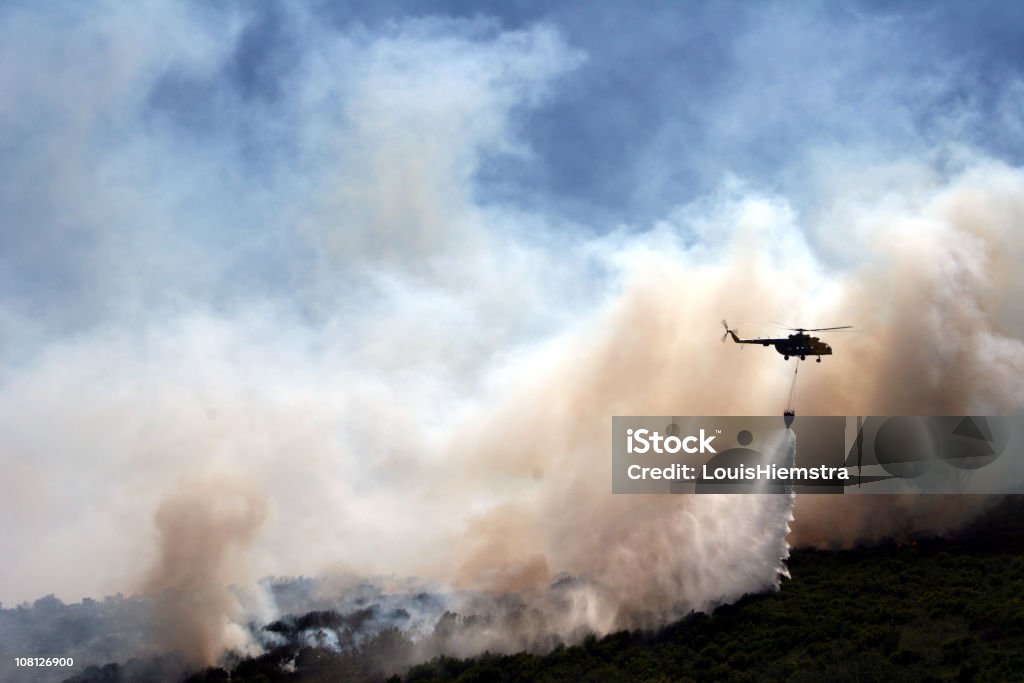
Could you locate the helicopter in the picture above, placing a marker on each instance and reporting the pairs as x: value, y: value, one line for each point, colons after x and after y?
x: 798, y: 345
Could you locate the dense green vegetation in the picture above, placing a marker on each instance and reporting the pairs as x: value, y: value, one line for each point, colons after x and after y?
x: 934, y: 610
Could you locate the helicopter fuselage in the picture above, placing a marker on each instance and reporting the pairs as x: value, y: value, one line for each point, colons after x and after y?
x: 801, y: 346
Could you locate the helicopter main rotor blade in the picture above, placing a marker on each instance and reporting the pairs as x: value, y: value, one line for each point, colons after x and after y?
x: 823, y: 329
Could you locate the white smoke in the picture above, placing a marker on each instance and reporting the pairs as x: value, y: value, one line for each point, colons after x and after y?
x: 412, y: 379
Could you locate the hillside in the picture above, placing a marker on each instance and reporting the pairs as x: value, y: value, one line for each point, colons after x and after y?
x: 934, y: 609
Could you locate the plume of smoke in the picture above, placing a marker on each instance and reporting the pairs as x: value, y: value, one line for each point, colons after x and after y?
x: 433, y: 397
x: 205, y: 529
x: 926, y: 301
x: 941, y: 336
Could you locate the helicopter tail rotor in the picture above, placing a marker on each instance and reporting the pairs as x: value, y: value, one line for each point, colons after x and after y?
x: 728, y: 331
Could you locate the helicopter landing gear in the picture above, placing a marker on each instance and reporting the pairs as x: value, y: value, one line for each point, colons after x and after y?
x: 803, y: 357
x: 787, y: 358
x: 819, y: 359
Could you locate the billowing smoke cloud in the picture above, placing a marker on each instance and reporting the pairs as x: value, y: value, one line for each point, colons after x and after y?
x: 205, y: 529
x: 317, y: 284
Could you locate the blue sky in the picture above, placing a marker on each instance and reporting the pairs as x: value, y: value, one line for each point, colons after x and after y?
x: 701, y: 89
x: 644, y: 109
x: 670, y: 96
